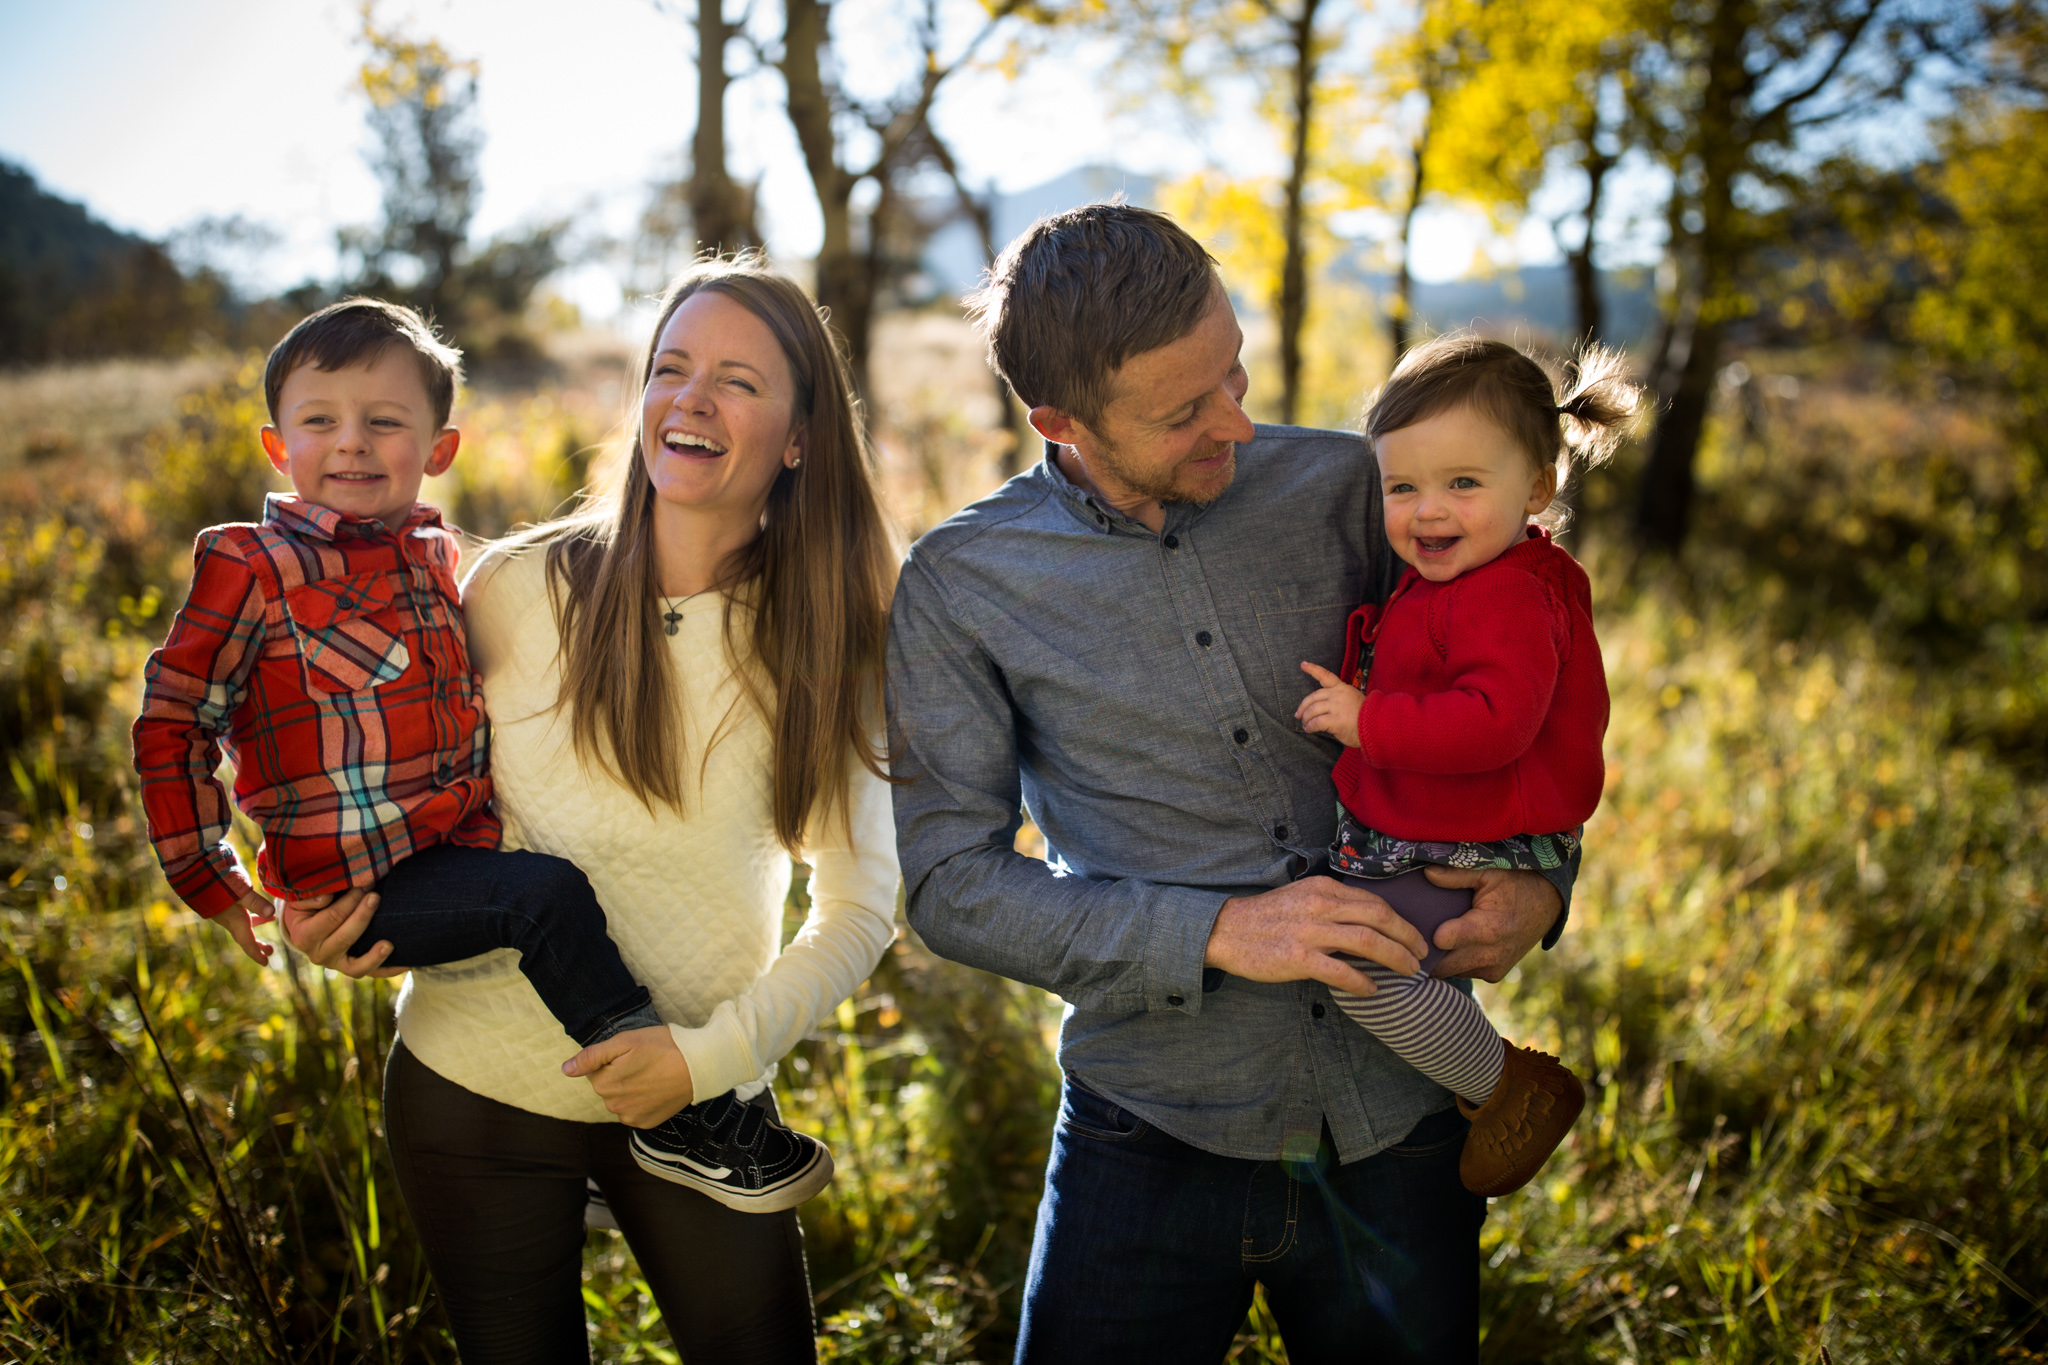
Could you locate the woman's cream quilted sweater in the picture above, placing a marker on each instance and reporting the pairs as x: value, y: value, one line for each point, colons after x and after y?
x: 694, y: 900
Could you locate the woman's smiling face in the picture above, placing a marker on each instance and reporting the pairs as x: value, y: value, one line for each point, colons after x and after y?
x: 716, y: 419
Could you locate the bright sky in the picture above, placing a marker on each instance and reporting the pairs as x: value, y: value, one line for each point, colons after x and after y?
x: 154, y: 115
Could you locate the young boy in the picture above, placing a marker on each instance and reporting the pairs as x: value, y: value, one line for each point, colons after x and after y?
x: 324, y: 648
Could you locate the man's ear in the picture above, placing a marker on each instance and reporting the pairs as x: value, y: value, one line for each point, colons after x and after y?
x: 443, y: 453
x: 1054, y: 425
x: 273, y: 446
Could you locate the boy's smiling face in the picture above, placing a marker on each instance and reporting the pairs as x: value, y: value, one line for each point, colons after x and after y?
x: 360, y: 439
x: 1458, y: 492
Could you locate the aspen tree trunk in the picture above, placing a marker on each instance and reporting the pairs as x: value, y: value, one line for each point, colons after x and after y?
x: 1665, y: 496
x: 1403, y: 313
x: 721, y: 210
x: 1588, y: 317
x: 1290, y: 305
x: 980, y: 210
x: 844, y: 288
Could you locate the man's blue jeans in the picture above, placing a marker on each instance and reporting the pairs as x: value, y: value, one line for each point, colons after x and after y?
x: 447, y: 903
x: 1148, y: 1249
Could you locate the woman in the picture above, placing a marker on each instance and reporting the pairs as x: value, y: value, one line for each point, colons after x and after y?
x: 684, y: 689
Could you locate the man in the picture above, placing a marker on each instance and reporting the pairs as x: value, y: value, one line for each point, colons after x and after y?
x: 1114, y: 639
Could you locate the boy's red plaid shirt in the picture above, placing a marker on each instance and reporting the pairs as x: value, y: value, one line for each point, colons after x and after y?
x: 327, y: 655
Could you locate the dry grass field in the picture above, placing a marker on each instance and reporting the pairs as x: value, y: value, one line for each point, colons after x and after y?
x: 1804, y: 971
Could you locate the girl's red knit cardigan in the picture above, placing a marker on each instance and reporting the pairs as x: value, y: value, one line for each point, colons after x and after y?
x: 1485, y: 702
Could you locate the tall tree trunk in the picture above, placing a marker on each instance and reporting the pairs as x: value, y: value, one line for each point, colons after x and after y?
x: 844, y: 289
x: 981, y: 211
x: 1664, y: 498
x: 1403, y: 312
x: 1588, y: 318
x: 1291, y: 303
x: 721, y: 210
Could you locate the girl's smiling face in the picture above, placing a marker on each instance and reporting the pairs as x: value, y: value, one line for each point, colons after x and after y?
x: 1458, y: 490
x: 717, y: 417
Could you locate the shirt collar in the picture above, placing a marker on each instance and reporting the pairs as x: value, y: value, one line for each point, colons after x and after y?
x: 292, y: 513
x: 1097, y: 515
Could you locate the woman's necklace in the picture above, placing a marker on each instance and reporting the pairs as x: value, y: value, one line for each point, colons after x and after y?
x: 674, y: 615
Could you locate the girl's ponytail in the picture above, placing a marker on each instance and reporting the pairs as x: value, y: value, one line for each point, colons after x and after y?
x: 1600, y: 406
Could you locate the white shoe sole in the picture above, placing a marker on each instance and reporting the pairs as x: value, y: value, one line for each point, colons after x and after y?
x: 774, y: 1199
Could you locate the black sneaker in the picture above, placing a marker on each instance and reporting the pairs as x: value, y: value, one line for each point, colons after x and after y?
x: 738, y: 1153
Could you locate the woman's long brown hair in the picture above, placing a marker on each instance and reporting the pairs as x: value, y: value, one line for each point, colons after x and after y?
x: 819, y: 578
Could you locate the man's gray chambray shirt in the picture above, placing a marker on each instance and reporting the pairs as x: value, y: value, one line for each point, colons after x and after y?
x: 1135, y: 692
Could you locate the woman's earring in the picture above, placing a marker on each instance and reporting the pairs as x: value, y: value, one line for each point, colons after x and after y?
x: 797, y: 463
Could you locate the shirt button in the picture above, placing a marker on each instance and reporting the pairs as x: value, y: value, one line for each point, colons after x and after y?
x: 1241, y: 736
x: 1171, y: 542
x: 1204, y: 638
x: 345, y: 603
x: 1175, y: 1001
x: 1316, y: 1009
x: 1279, y: 831
x: 444, y: 774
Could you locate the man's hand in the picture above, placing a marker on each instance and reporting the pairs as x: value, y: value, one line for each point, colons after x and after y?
x: 240, y: 921
x: 1510, y: 914
x: 1332, y: 709
x: 640, y: 1075
x: 1291, y: 933
x: 324, y: 928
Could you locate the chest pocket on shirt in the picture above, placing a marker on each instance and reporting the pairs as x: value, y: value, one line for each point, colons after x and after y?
x: 349, y: 632
x: 1300, y: 621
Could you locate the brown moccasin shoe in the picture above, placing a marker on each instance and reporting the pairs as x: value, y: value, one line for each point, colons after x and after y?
x: 1516, y: 1130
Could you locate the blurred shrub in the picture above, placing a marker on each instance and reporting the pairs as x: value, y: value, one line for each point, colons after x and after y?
x: 218, y: 1190
x: 67, y: 659
x: 522, y: 460
x: 1986, y: 307
x: 207, y: 466
x: 936, y: 1091
x: 1804, y: 968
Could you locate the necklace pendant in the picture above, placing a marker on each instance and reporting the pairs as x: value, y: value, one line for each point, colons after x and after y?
x: 673, y: 617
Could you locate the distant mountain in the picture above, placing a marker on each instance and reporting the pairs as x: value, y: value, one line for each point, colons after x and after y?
x: 953, y: 260
x: 71, y: 286
x: 1535, y: 299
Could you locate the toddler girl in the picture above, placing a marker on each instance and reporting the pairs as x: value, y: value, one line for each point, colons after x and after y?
x: 1472, y: 704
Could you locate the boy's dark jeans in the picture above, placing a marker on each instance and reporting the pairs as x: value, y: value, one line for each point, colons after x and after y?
x: 446, y: 903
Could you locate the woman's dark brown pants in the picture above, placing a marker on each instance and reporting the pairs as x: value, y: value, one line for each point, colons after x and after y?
x: 497, y: 1196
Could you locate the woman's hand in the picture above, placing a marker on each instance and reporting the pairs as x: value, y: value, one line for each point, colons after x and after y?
x: 1332, y: 709
x: 639, y: 1074
x: 326, y: 927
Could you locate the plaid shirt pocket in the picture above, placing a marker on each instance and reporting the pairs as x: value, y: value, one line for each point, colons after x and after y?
x: 349, y: 632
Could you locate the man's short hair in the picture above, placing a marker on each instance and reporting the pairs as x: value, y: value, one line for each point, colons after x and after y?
x: 356, y: 332
x: 1081, y: 292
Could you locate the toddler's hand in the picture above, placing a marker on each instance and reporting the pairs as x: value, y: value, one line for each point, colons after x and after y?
x: 240, y: 921
x: 1332, y: 709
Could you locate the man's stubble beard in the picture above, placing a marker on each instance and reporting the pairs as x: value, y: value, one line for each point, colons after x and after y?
x: 1167, y: 487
